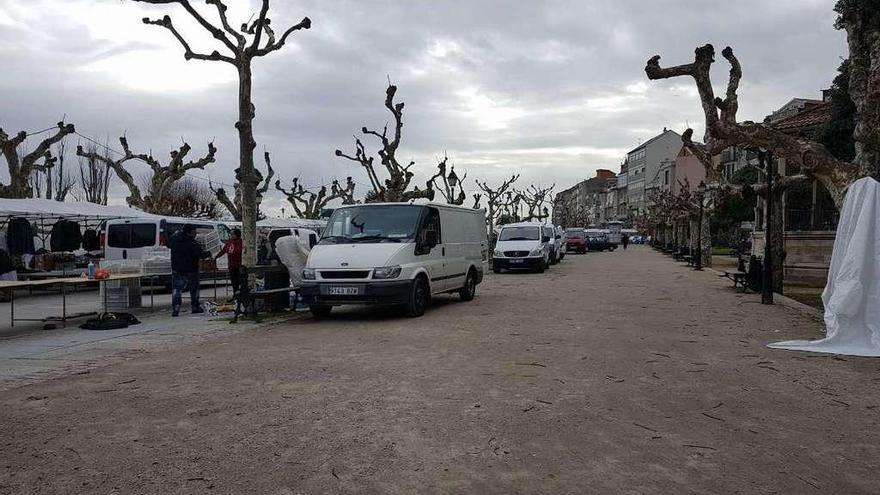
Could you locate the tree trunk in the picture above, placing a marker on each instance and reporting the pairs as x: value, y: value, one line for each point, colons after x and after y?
x: 706, y: 238
x: 490, y: 210
x: 246, y: 177
x: 777, y: 240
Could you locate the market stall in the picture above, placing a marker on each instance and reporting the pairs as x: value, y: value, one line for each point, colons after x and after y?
x: 44, y: 239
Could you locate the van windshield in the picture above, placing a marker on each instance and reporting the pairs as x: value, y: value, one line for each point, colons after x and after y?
x: 372, y: 224
x: 520, y: 234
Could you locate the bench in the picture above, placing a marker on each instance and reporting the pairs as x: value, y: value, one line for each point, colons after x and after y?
x: 740, y: 279
x: 688, y: 259
x: 245, y: 300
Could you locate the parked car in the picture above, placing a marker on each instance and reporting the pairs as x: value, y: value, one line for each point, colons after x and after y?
x: 396, y: 254
x: 559, y: 243
x: 576, y: 240
x: 523, y: 246
x: 600, y: 242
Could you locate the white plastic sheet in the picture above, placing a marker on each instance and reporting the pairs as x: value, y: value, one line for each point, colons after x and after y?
x: 852, y: 294
x: 293, y: 251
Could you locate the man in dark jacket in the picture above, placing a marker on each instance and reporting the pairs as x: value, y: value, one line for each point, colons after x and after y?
x: 185, y: 255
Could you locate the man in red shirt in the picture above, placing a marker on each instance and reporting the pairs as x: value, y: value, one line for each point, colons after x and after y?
x: 232, y: 249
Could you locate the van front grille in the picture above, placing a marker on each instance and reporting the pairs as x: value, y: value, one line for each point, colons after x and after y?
x: 516, y: 254
x: 336, y: 274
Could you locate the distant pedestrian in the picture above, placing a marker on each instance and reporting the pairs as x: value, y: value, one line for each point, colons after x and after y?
x: 232, y: 249
x: 185, y: 255
x: 625, y: 241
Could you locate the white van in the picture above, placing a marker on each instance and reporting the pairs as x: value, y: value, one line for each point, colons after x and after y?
x: 525, y: 245
x: 130, y: 239
x: 396, y: 253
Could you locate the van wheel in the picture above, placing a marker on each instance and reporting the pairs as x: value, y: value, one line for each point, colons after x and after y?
x: 418, y: 299
x: 542, y: 266
x: 470, y: 287
x: 320, y: 310
x: 496, y: 269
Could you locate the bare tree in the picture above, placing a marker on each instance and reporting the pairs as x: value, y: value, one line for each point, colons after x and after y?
x: 94, y: 176
x: 495, y: 200
x: 59, y: 182
x: 308, y: 204
x: 535, y: 198
x: 184, y: 198
x: 396, y: 187
x: 21, y: 168
x: 449, y: 183
x: 163, y: 176
x: 861, y: 20
x: 570, y: 213
x: 233, y: 206
x: 254, y: 39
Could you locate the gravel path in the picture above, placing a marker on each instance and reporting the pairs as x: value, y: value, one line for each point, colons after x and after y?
x: 614, y: 372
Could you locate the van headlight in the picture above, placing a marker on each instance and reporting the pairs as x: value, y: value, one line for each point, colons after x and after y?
x: 308, y: 274
x: 537, y: 252
x: 386, y: 272
x: 498, y: 253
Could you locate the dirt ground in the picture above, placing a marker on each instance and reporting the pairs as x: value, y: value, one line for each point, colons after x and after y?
x: 617, y: 372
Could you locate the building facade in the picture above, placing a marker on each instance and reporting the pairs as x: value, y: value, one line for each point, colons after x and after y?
x: 643, y: 169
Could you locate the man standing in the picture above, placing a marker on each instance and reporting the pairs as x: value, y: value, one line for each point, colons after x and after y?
x: 625, y: 241
x: 185, y: 255
x: 232, y: 249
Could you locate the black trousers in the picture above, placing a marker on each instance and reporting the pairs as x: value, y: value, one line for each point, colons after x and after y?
x: 235, y: 278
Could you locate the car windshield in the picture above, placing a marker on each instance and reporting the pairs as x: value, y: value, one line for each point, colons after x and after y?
x: 520, y: 234
x: 574, y: 235
x: 372, y: 224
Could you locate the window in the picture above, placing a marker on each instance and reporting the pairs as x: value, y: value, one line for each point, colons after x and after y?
x: 666, y: 177
x: 130, y: 236
x: 431, y: 224
x: 520, y: 234
x: 389, y: 223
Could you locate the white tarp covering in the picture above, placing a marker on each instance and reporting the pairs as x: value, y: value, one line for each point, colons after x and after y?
x: 293, y: 251
x: 852, y: 294
x: 36, y: 208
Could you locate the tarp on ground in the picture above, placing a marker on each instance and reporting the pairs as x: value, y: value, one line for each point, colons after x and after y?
x: 852, y: 294
x: 47, y: 208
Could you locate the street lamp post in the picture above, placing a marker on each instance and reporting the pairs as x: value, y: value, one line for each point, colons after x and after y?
x: 765, y: 160
x: 701, y: 193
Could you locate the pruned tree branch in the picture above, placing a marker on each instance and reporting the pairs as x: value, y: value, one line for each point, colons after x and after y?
x: 723, y: 131
x: 449, y: 183
x: 308, y: 204
x: 162, y: 178
x: 396, y: 188
x: 21, y: 167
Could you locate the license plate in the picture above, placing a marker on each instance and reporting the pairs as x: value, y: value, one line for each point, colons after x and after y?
x: 516, y: 261
x: 343, y: 291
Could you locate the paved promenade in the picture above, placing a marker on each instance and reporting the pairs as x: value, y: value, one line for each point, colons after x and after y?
x: 618, y: 372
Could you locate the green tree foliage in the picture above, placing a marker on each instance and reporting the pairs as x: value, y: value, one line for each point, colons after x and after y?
x: 837, y: 134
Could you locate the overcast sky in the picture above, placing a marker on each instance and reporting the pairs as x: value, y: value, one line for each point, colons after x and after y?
x: 551, y: 90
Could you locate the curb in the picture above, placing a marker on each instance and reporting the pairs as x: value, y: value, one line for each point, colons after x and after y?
x: 787, y: 302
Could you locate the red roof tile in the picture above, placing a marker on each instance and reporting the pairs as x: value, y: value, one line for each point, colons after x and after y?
x: 807, y: 120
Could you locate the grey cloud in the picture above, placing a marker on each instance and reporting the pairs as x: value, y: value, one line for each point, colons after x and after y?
x: 542, y: 88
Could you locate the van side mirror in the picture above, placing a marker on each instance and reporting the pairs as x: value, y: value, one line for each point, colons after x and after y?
x: 546, y: 238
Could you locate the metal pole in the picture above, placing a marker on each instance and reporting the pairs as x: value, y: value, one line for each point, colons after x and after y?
x: 767, y: 280
x: 699, y: 263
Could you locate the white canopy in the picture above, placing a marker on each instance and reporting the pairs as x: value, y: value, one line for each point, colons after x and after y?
x: 47, y: 209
